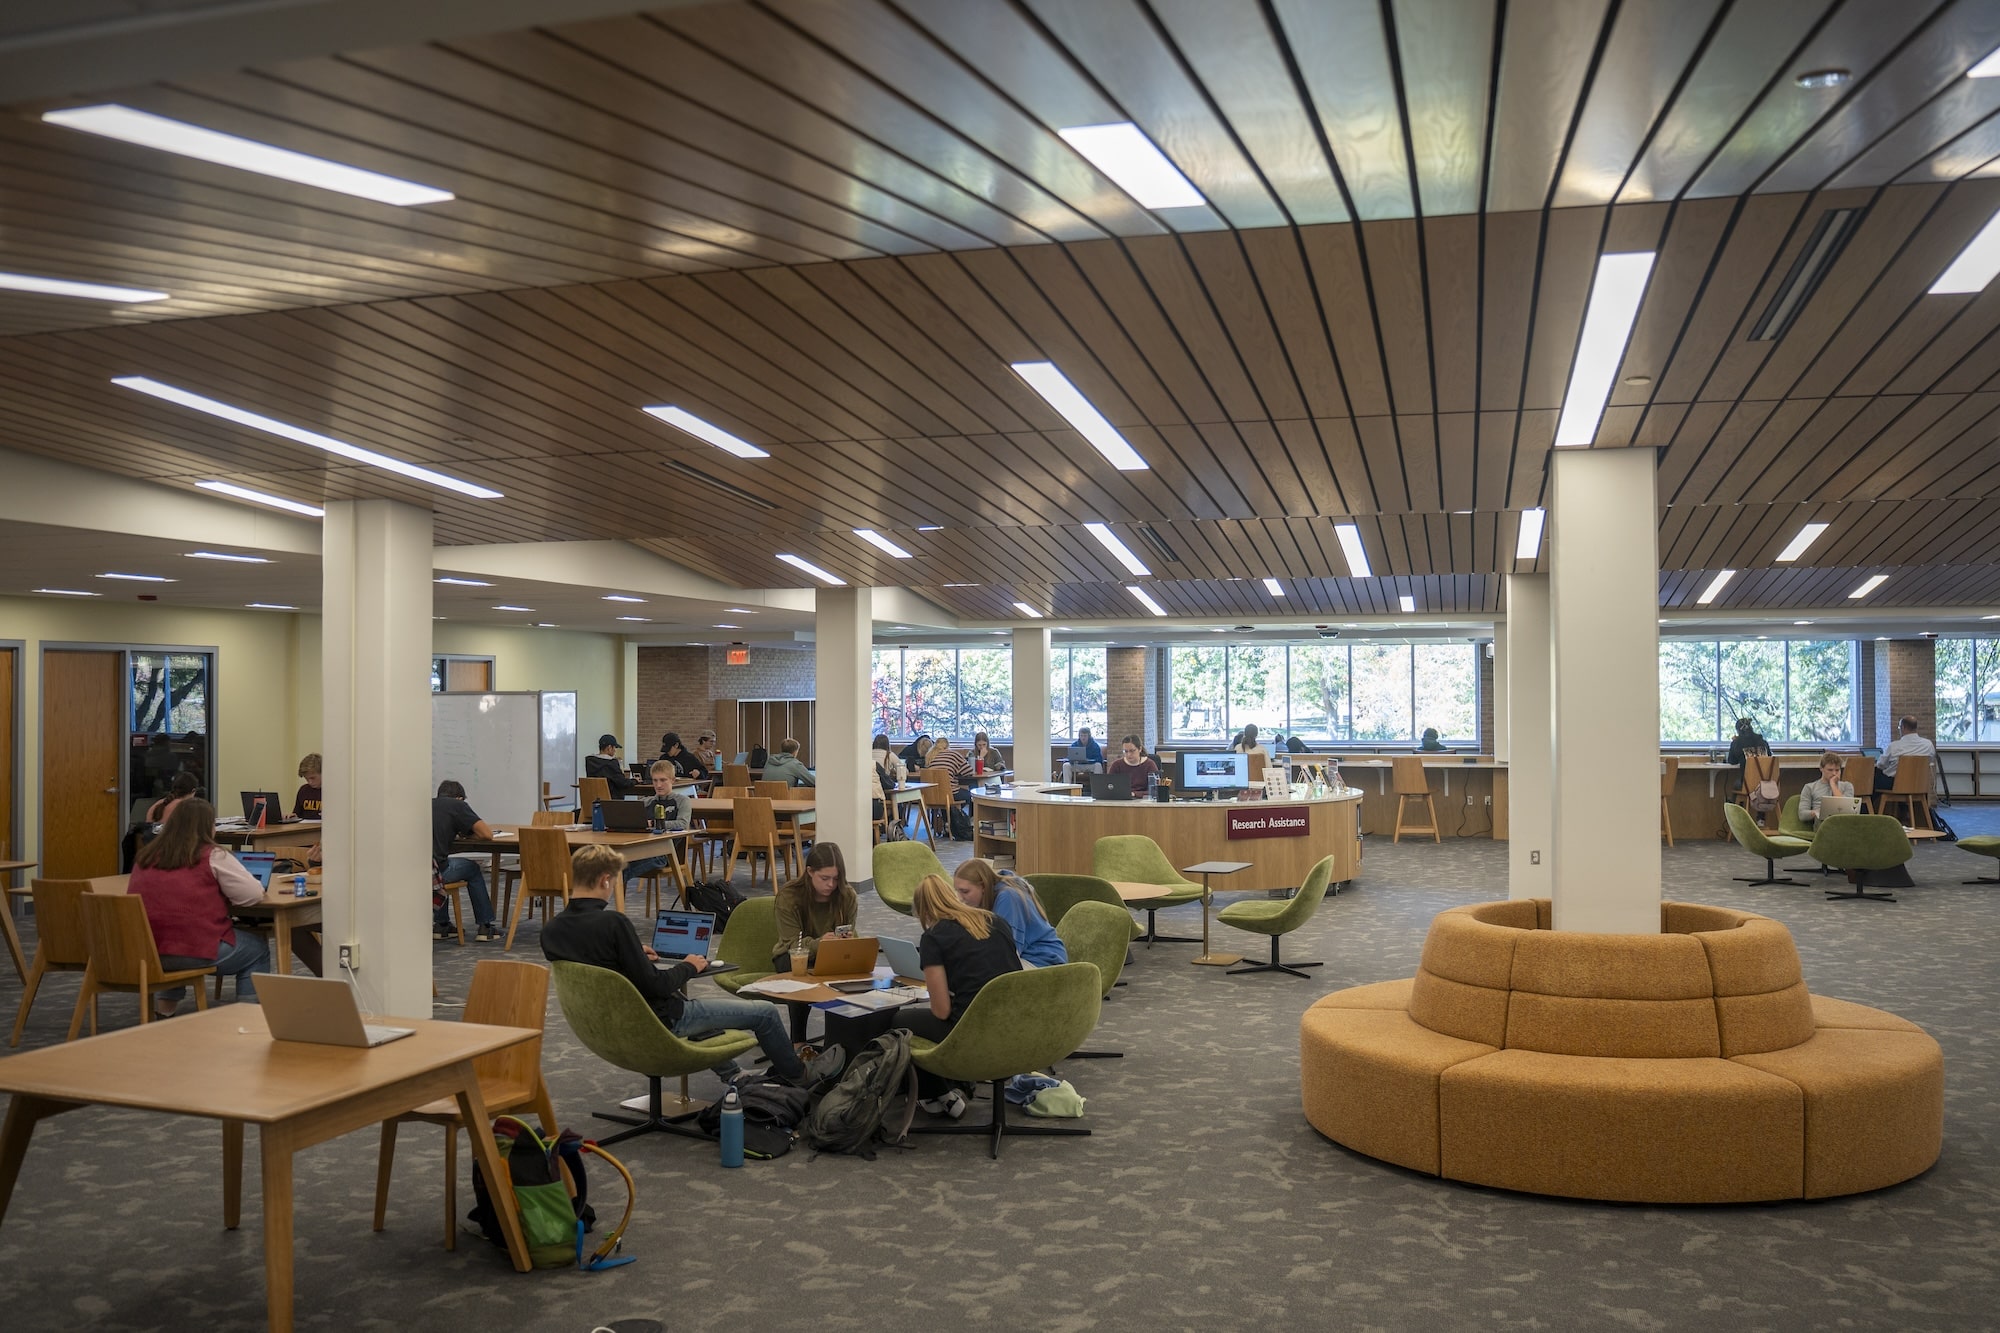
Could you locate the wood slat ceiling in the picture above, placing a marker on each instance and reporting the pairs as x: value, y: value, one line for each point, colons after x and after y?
x: 828, y: 225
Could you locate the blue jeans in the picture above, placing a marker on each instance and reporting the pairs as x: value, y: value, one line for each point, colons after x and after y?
x: 762, y: 1020
x: 467, y: 869
x: 652, y: 865
x: 242, y: 959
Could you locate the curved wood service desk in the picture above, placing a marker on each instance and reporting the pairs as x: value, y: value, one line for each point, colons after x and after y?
x: 1054, y: 833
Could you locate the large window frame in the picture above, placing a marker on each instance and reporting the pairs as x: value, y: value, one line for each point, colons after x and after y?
x: 1777, y: 718
x: 1340, y: 732
x: 892, y: 714
x: 1972, y: 718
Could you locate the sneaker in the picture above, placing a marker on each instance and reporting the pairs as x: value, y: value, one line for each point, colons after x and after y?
x: 951, y: 1104
x: 491, y: 931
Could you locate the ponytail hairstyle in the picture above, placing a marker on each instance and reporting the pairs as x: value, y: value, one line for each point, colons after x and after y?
x: 937, y: 901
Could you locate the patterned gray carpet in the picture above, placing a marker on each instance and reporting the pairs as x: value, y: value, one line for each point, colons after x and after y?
x: 1202, y: 1200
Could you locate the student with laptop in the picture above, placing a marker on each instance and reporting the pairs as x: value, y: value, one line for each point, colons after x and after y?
x: 815, y: 905
x: 686, y: 762
x: 962, y: 949
x: 452, y: 819
x: 1812, y: 800
x: 588, y: 932
x: 604, y: 764
x: 188, y: 885
x: 1013, y: 900
x: 1135, y: 765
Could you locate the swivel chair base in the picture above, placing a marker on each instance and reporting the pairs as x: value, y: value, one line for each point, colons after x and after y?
x: 1770, y: 874
x: 1153, y: 935
x: 1274, y: 965
x: 657, y: 1119
x: 1860, y: 892
x: 999, y: 1126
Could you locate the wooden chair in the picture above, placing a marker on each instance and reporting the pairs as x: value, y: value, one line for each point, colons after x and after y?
x: 452, y: 889
x: 504, y: 993
x: 937, y: 800
x: 1860, y: 775
x: 589, y: 791
x: 544, y: 873
x: 1413, y: 784
x: 736, y: 775
x: 1670, y: 772
x: 756, y: 834
x: 60, y: 944
x: 1757, y: 769
x: 549, y: 795
x: 1912, y: 788
x: 125, y: 958
x: 772, y: 791
x: 676, y: 870
x: 1257, y: 762
x: 549, y: 819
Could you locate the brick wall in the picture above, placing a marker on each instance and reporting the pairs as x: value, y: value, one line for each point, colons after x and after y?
x: 678, y: 687
x: 771, y: 673
x: 1905, y: 684
x: 1127, y: 695
x: 1864, y: 694
x: 1486, y: 700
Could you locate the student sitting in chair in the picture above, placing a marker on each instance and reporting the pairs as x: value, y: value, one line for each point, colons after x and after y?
x: 784, y: 766
x: 1013, y: 900
x: 815, y: 905
x: 605, y: 764
x: 452, y: 819
x: 667, y: 811
x: 1135, y: 764
x: 962, y: 949
x: 188, y: 885
x: 1827, y: 784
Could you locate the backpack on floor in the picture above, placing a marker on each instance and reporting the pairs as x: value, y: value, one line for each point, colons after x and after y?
x: 715, y: 897
x: 875, y: 1101
x: 771, y: 1112
x: 759, y: 756
x: 961, y: 824
x: 551, y: 1196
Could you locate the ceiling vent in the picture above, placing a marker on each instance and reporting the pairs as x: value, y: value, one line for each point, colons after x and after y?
x: 1158, y: 544
x: 702, y: 478
x: 1829, y: 237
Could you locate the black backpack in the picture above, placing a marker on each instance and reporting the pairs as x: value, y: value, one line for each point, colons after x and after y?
x: 863, y: 1108
x: 715, y: 897
x: 759, y: 756
x: 771, y: 1111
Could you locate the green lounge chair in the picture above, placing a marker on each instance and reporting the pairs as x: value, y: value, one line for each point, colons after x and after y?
x: 1098, y: 934
x: 1982, y: 845
x: 1770, y: 846
x: 898, y: 866
x: 1059, y: 893
x: 1278, y: 917
x: 749, y: 941
x: 1134, y: 858
x: 1859, y: 844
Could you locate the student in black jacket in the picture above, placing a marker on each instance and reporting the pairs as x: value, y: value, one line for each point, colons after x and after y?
x: 604, y: 764
x: 588, y: 931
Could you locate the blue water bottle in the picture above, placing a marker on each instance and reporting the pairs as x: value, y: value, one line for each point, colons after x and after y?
x: 732, y: 1129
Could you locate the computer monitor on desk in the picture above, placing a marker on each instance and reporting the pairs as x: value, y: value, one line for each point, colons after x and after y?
x: 1208, y: 772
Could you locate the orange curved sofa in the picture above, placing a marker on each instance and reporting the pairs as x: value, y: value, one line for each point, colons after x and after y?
x: 1686, y: 1067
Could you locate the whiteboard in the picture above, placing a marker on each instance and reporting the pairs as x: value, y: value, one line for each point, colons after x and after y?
x: 493, y: 745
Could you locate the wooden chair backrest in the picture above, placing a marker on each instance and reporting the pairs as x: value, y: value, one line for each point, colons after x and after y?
x: 302, y: 855
x: 730, y: 793
x: 121, y: 938
x: 110, y: 884
x: 1257, y: 762
x: 736, y: 775
x: 1860, y: 774
x: 938, y: 794
x: 1759, y: 768
x: 589, y: 791
x: 755, y: 821
x: 544, y: 861
x: 548, y: 818
x: 510, y: 994
x: 1913, y: 776
x: 1670, y: 772
x: 59, y: 920
x: 1407, y: 772
x: 772, y: 791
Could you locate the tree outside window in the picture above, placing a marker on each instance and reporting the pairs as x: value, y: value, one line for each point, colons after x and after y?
x: 1968, y: 690
x: 1199, y: 691
x: 1791, y: 690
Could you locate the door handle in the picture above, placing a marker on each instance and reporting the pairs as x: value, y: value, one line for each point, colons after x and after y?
x: 110, y: 791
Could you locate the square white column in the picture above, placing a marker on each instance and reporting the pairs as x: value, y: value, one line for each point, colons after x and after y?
x: 1502, y: 725
x: 1031, y: 705
x: 844, y: 635
x: 1604, y: 597
x: 376, y: 713
x: 1531, y: 737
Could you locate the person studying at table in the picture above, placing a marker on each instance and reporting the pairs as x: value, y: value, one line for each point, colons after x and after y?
x: 1085, y: 754
x: 962, y: 949
x: 1827, y: 784
x: 605, y: 764
x: 587, y: 931
x: 1907, y: 742
x: 452, y: 819
x: 984, y: 758
x: 1013, y: 900
x: 1137, y: 766
x: 686, y: 762
x: 819, y: 903
x: 784, y: 766
x: 310, y: 803
x: 667, y: 812
x: 188, y: 885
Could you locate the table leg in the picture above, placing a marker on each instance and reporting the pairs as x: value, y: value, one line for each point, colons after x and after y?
x: 22, y: 1113
x: 479, y: 1128
x: 1208, y: 959
x: 281, y: 943
x: 232, y: 1174
x: 274, y: 1150
x: 13, y: 939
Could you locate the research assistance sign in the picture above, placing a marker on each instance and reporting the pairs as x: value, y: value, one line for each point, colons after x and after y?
x: 1282, y: 821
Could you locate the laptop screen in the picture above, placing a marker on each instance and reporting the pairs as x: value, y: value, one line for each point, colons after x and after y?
x: 679, y: 934
x: 260, y: 864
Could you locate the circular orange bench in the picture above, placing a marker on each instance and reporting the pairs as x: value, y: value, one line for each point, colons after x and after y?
x: 1686, y: 1067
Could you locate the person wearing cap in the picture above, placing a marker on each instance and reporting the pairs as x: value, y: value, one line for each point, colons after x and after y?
x: 604, y: 764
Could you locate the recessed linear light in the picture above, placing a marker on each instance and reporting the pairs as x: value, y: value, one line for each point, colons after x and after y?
x: 138, y: 578
x: 1134, y: 163
x: 1607, y: 325
x: 224, y: 555
x: 1351, y: 547
x: 528, y: 609
x: 260, y: 497
x: 1528, y: 545
x: 1408, y: 603
x: 65, y: 592
x: 620, y: 597
x: 643, y: 620
x: 931, y: 527
x: 1802, y: 622
x: 1874, y: 581
x: 738, y: 611
x: 1123, y: 553
x: 1824, y: 78
x: 1801, y: 542
x: 1275, y: 588
x: 707, y: 432
x: 1987, y: 68
x: 881, y: 543
x: 1028, y: 611
x: 1070, y: 404
x: 544, y: 624
x: 1145, y: 600
x: 1976, y: 263
x: 176, y: 136
x: 796, y: 562
x: 725, y: 627
x: 299, y: 435
x: 269, y: 606
x: 84, y: 291
x: 961, y: 585
x: 1990, y: 617
x: 464, y: 583
x: 1715, y: 587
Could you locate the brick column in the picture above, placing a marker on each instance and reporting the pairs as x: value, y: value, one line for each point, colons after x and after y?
x: 1485, y: 737
x: 1905, y: 685
x: 1127, y: 694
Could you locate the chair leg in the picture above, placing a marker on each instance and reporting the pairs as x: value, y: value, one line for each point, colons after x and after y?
x: 1771, y: 875
x: 1983, y: 879
x: 655, y: 1121
x: 385, y: 1161
x: 1153, y: 935
x: 1859, y: 893
x: 33, y: 983
x: 1437, y: 833
x: 1275, y: 965
x: 1667, y: 821
x: 998, y: 1127
x: 451, y: 1187
x: 514, y: 919
x: 86, y: 999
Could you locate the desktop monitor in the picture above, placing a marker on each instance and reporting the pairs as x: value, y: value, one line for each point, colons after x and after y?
x: 1201, y: 770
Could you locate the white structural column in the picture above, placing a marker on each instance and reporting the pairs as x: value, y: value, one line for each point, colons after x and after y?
x: 1605, y: 686
x: 1031, y: 705
x: 375, y: 661
x: 844, y: 634
x: 1503, y: 733
x: 636, y: 746
x: 1531, y: 737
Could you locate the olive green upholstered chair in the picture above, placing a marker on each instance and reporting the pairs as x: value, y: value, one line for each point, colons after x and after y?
x: 1018, y: 1023
x: 1983, y: 845
x: 1059, y: 893
x: 1757, y: 842
x: 1099, y: 934
x: 1278, y: 917
x: 749, y: 941
x: 1859, y: 844
x: 898, y: 867
x: 1791, y: 826
x: 1134, y: 858
x: 615, y: 1023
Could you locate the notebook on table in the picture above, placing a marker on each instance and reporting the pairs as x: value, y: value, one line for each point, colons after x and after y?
x: 320, y: 1010
x: 678, y: 935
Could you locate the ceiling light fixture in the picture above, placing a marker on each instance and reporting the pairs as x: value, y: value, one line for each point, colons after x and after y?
x: 643, y: 620
x: 1801, y: 542
x: 1028, y: 611
x: 299, y: 435
x: 707, y: 432
x: 544, y: 624
x: 269, y: 606
x: 1823, y: 78
x: 930, y: 527
x: 1068, y: 401
x: 881, y: 543
x: 1802, y: 622
x: 725, y: 627
x: 227, y: 150
x: 1607, y: 325
x: 1976, y: 263
x: 464, y: 583
x: 961, y: 585
x: 620, y: 597
x: 1407, y: 602
x: 1145, y: 600
x: 1275, y: 588
x: 1119, y: 550
x: 1715, y: 587
x: 224, y: 555
x: 260, y: 497
x: 84, y: 291
x: 1987, y: 68
x: 65, y: 592
x: 1874, y: 581
x: 832, y: 580
x: 528, y: 609
x: 1134, y: 163
x: 738, y: 611
x: 1351, y: 547
x: 1528, y: 544
x: 138, y: 578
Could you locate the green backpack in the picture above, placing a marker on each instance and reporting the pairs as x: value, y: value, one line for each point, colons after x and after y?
x: 552, y: 1197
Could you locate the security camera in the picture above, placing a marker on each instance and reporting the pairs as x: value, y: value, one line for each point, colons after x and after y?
x: 1327, y: 632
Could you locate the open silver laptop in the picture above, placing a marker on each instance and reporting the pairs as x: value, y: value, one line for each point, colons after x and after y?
x: 1839, y: 805
x: 901, y: 956
x: 320, y: 1010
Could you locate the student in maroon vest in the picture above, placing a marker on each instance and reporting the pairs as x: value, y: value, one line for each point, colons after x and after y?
x: 188, y: 884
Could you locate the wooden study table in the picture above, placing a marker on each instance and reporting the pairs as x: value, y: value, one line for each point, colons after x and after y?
x: 287, y: 912
x: 7, y: 872
x: 635, y: 846
x: 300, y: 832
x: 222, y: 1065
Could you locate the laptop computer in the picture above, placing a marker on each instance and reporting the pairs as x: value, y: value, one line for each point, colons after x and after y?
x: 624, y: 816
x: 1839, y: 805
x: 678, y: 935
x: 260, y: 864
x: 272, y: 803
x: 845, y: 958
x: 901, y: 956
x: 742, y: 757
x: 320, y: 1010
x: 1109, y: 786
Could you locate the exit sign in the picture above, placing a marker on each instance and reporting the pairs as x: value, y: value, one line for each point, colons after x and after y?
x: 739, y: 656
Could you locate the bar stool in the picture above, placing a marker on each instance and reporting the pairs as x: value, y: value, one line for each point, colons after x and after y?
x: 1670, y: 771
x: 1413, y: 784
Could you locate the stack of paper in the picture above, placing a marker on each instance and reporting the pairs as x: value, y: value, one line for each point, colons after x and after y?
x: 778, y: 986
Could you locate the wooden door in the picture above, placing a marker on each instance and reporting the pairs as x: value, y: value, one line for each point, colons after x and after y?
x: 10, y: 667
x: 473, y: 677
x: 82, y: 736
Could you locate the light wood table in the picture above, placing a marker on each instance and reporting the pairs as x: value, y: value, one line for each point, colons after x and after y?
x: 1206, y: 869
x: 222, y: 1065
x: 636, y: 847
x: 287, y: 912
x: 300, y: 832
x: 1138, y: 893
x: 7, y: 871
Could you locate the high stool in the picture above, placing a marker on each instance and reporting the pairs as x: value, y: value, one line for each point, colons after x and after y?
x: 1670, y: 771
x: 1413, y: 784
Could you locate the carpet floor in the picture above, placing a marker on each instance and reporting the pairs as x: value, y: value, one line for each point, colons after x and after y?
x: 1202, y: 1200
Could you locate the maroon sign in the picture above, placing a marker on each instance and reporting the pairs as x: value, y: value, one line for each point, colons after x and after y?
x: 1271, y: 821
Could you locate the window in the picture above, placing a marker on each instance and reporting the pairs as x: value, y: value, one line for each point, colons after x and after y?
x: 1386, y: 693
x: 1968, y: 690
x: 958, y: 691
x: 1801, y: 691
x: 1078, y: 695
x: 168, y: 720
x: 461, y: 674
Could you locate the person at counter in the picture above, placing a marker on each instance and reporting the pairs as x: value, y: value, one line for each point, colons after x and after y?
x: 1748, y: 741
x: 1246, y: 742
x: 1828, y: 784
x: 1907, y: 743
x: 1430, y: 744
x: 984, y: 758
x: 1137, y: 766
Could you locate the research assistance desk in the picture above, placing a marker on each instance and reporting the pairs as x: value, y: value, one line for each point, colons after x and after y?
x: 1056, y: 833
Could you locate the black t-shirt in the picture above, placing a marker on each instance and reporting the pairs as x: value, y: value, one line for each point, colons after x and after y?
x: 584, y: 932
x: 968, y: 963
x: 451, y: 819
x: 310, y: 803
